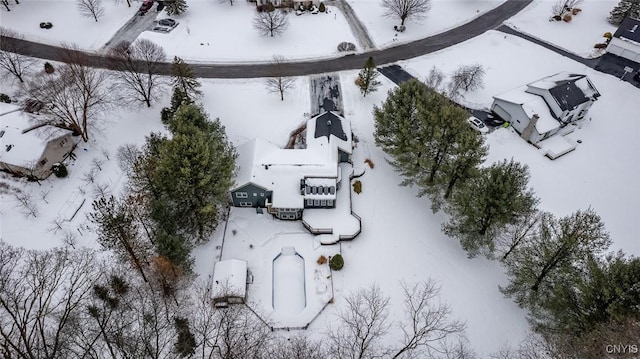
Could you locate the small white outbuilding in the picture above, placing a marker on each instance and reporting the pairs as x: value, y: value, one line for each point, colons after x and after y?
x: 229, y: 284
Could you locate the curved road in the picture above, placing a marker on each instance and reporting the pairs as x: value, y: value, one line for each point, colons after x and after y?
x: 488, y: 21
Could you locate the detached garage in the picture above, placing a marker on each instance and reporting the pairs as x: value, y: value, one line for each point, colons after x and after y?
x: 626, y: 41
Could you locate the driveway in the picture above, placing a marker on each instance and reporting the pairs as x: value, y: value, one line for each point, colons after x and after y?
x: 487, y: 21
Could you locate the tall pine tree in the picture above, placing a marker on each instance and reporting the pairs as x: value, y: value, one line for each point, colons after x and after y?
x: 428, y: 139
x: 624, y: 8
x: 555, y: 255
x: 193, y: 174
x: 175, y: 7
x: 367, y: 77
x: 184, y: 79
x: 484, y: 205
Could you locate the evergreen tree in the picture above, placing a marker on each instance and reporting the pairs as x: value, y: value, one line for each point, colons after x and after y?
x: 599, y: 293
x: 625, y: 8
x: 185, y: 346
x: 428, y: 139
x: 184, y: 79
x: 468, y: 153
x: 367, y: 77
x: 192, y: 174
x: 176, y: 7
x: 484, y: 205
x: 399, y: 126
x: 554, y: 256
x: 178, y: 98
x: 118, y: 230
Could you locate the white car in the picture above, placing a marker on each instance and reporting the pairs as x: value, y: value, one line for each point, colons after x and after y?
x: 477, y: 125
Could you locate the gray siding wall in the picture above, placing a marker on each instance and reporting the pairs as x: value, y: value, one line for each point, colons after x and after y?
x: 519, y: 119
x: 250, y: 193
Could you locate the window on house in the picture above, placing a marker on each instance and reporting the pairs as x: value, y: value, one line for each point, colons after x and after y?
x: 241, y: 195
x: 246, y: 204
x: 323, y: 203
x: 330, y: 203
x: 309, y: 202
x: 261, y: 194
x: 255, y: 194
x: 316, y: 202
x: 314, y: 189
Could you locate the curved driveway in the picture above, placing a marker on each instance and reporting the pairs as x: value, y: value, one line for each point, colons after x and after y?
x: 487, y: 21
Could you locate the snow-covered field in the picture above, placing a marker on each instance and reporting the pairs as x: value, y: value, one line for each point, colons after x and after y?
x: 578, y: 36
x: 211, y: 31
x: 68, y: 25
x: 443, y: 15
x: 401, y: 239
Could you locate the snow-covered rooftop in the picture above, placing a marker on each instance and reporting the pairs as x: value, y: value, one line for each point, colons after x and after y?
x: 280, y: 170
x: 18, y: 148
x: 230, y: 278
x: 532, y: 105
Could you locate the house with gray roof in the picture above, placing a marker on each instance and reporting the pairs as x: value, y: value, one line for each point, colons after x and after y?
x: 549, y: 106
x: 286, y: 181
x: 30, y: 148
x: 626, y: 40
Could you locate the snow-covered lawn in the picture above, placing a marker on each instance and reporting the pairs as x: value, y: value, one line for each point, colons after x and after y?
x: 211, y: 31
x: 603, y: 172
x: 444, y: 15
x: 401, y: 239
x: 578, y: 36
x: 68, y: 25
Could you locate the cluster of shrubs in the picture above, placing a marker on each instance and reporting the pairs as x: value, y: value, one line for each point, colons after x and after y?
x: 603, y: 45
x: 60, y: 170
x: 5, y: 98
x: 336, y: 262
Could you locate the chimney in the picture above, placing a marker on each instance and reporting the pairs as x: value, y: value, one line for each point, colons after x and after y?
x: 528, y: 131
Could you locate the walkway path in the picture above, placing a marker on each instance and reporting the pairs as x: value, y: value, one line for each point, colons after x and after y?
x: 131, y: 30
x: 357, y: 28
x: 487, y: 21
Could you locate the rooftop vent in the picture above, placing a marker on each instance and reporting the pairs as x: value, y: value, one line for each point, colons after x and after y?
x: 634, y: 28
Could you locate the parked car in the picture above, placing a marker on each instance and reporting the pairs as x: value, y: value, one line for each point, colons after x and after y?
x: 477, y: 125
x: 167, y: 22
x: 146, y: 5
x: 163, y: 29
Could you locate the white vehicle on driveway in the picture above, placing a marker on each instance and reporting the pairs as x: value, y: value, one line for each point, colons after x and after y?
x: 477, y: 125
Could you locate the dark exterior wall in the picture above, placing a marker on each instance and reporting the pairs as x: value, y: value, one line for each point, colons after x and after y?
x: 255, y: 195
x: 343, y: 156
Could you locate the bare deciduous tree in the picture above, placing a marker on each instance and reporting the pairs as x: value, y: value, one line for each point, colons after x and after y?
x: 41, y: 294
x: 278, y: 83
x: 12, y: 62
x: 466, y: 78
x: 271, y: 22
x: 240, y: 333
x: 76, y: 97
x: 434, y: 78
x: 406, y: 9
x: 26, y: 203
x: 427, y: 328
x: 91, y: 8
x: 363, y: 323
x: 296, y: 347
x: 137, y: 70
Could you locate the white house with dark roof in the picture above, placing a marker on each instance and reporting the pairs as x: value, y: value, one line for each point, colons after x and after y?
x: 548, y: 106
x: 286, y: 181
x: 29, y: 149
x: 626, y: 40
